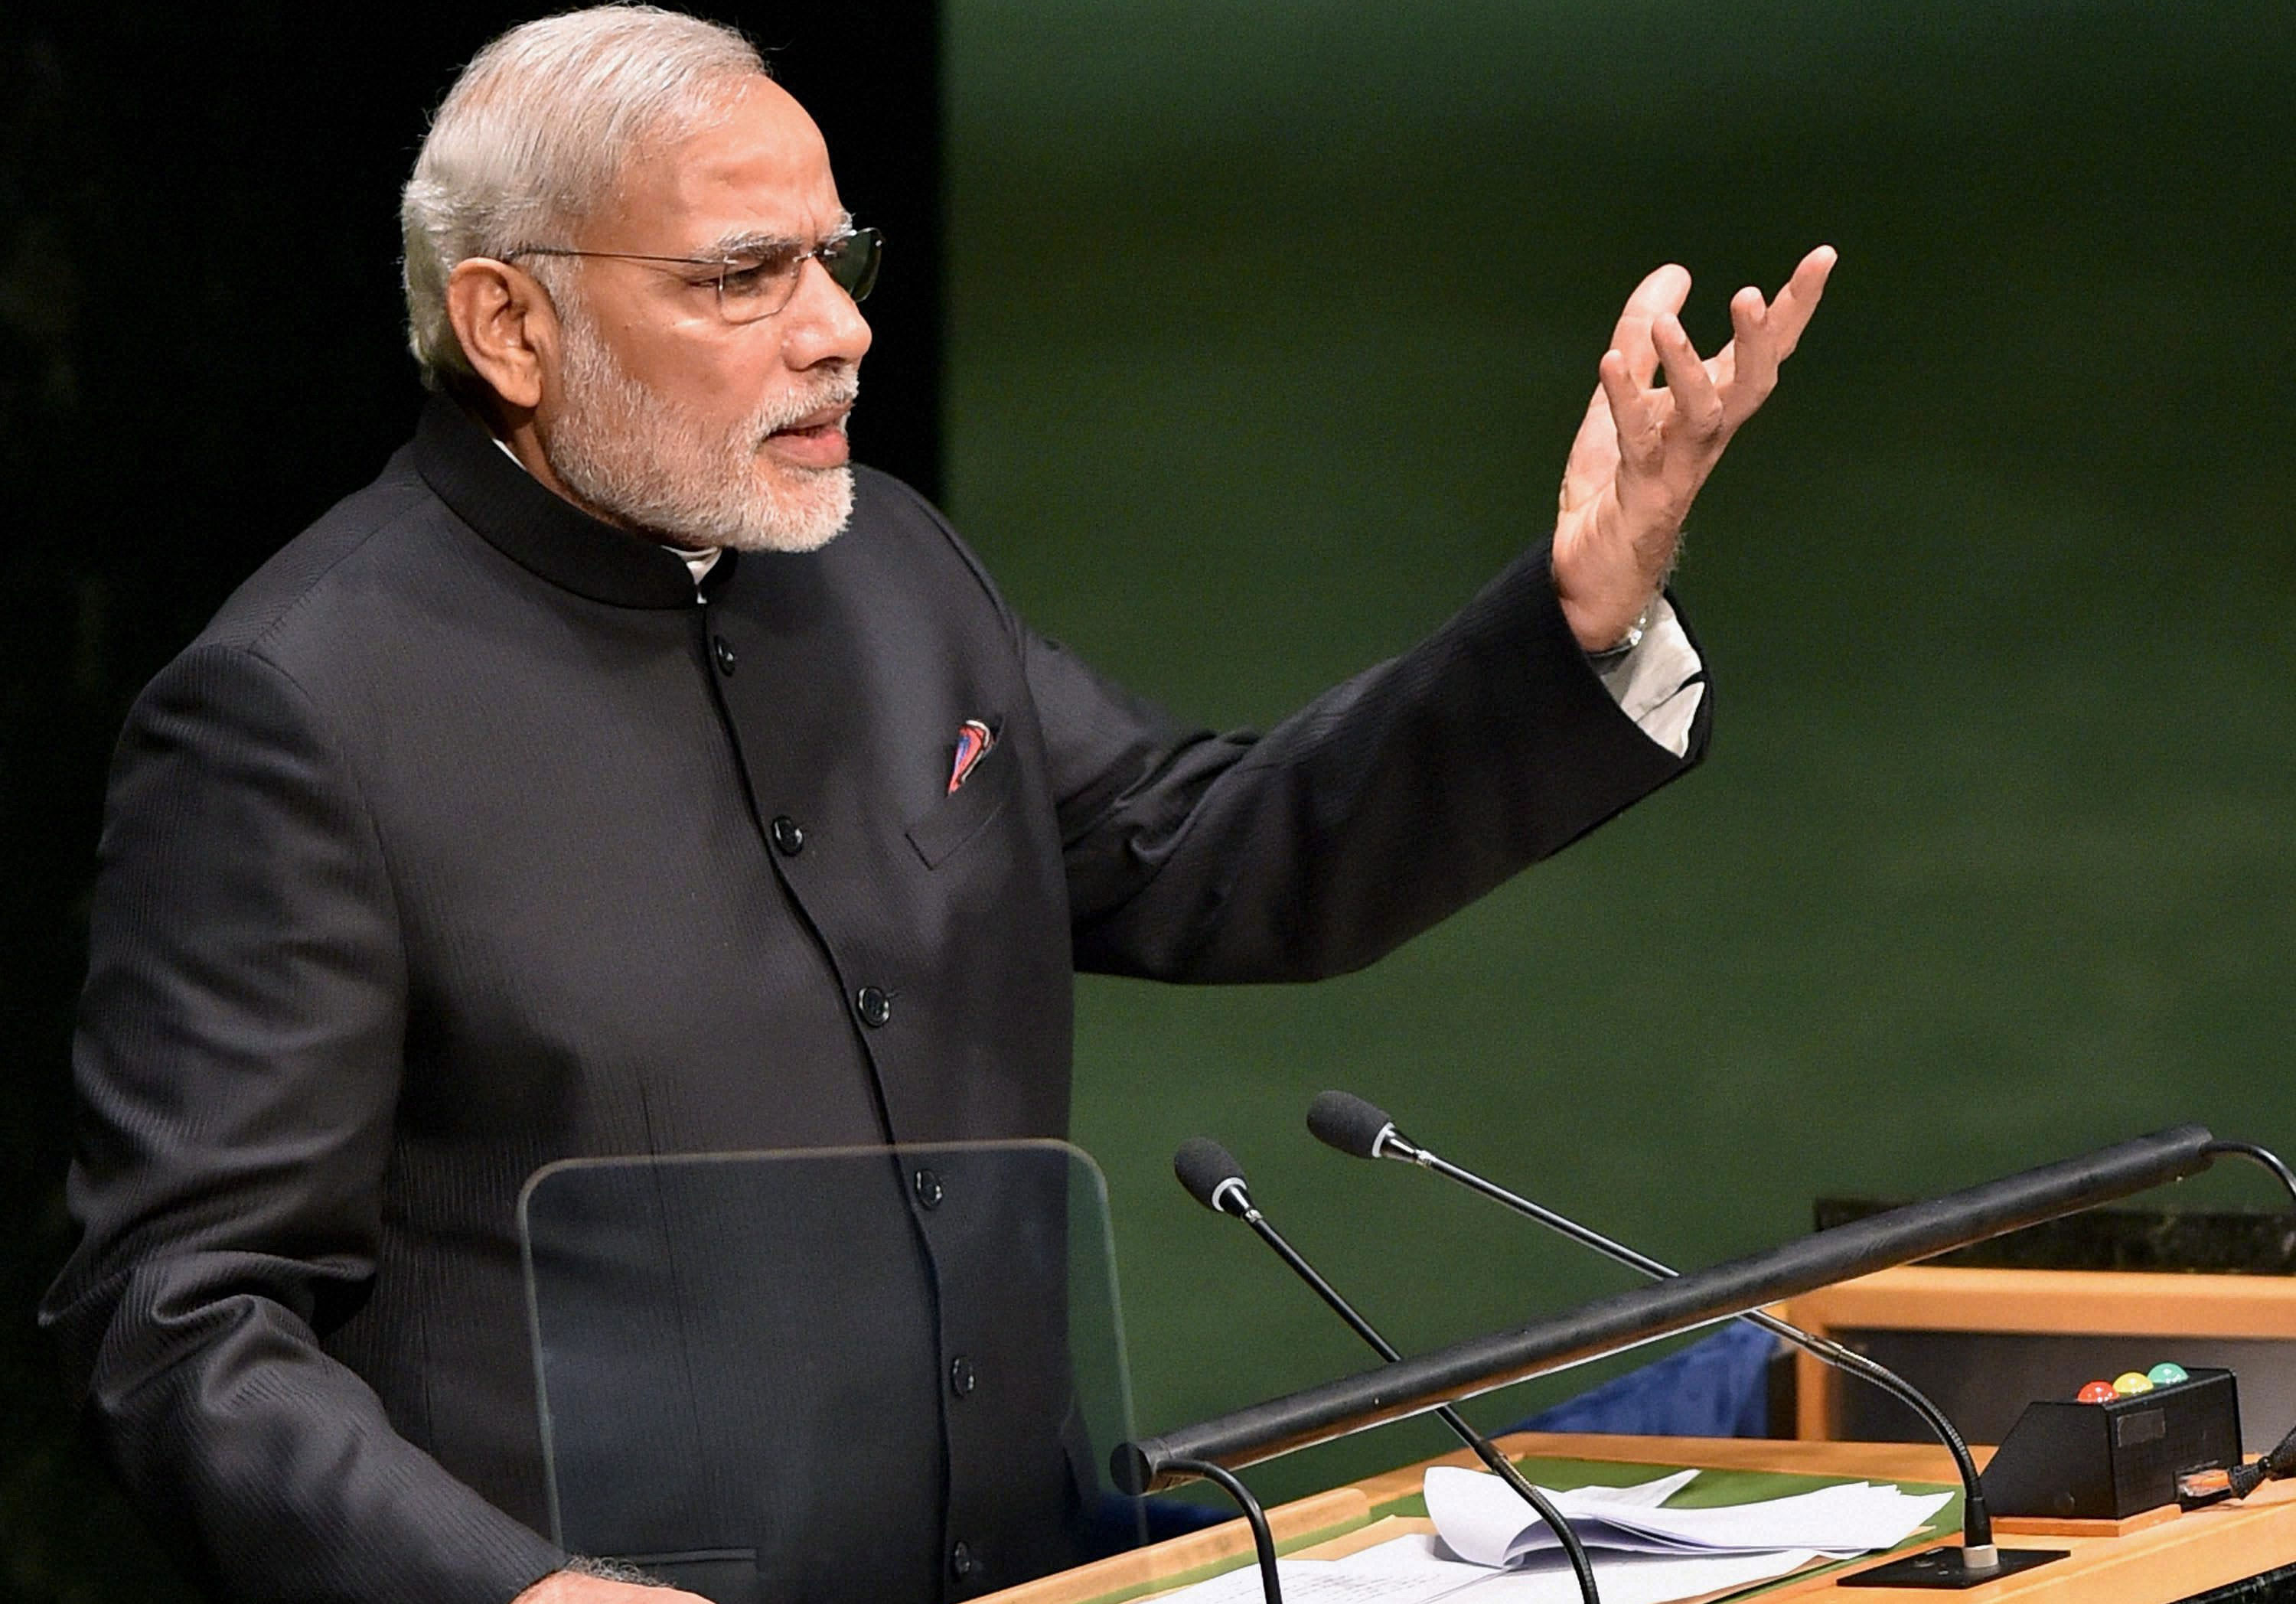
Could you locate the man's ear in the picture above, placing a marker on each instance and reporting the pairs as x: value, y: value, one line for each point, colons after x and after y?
x: 506, y: 325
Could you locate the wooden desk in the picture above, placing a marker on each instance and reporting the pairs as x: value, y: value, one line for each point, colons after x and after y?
x: 2189, y: 1555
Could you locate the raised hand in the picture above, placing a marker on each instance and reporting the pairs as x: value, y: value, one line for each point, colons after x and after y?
x: 1643, y: 452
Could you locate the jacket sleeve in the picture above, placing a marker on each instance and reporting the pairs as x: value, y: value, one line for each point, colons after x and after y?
x: 238, y: 1063
x: 1384, y: 806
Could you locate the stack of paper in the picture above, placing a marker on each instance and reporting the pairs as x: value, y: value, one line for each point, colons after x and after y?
x: 1405, y: 1571
x: 1494, y: 1546
x: 1483, y: 1521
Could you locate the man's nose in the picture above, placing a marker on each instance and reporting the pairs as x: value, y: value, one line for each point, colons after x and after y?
x: 820, y: 323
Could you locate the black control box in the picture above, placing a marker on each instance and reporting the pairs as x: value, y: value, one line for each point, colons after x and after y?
x: 2105, y: 1461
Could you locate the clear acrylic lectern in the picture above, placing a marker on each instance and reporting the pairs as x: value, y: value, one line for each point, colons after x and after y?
x: 883, y: 1373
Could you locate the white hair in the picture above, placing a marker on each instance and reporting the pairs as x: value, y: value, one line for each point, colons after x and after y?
x: 535, y: 135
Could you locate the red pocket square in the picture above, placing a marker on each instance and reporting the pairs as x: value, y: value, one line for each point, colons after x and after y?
x: 973, y: 740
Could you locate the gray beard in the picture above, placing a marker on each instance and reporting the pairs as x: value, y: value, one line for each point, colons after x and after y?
x: 642, y: 459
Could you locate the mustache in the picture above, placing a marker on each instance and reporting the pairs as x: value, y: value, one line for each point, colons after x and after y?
x: 842, y: 389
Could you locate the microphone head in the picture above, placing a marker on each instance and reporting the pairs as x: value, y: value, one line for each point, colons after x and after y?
x: 1206, y: 1169
x: 1345, y: 1121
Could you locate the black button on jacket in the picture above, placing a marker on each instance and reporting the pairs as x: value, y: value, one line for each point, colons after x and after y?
x: 446, y: 852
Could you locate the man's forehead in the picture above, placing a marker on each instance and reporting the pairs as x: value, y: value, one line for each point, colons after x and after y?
x: 760, y: 168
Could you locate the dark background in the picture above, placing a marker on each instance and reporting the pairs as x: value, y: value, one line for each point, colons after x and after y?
x: 1252, y: 343
x: 201, y: 347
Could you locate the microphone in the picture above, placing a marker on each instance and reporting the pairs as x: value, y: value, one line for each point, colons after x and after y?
x: 1198, y: 1166
x: 1212, y: 1176
x: 1625, y: 1320
x: 1214, y: 1179
x: 1364, y: 1130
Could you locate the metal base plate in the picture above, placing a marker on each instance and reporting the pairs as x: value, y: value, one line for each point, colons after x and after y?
x: 1942, y: 1567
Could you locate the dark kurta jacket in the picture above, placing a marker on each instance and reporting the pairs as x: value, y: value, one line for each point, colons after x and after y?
x: 468, y: 837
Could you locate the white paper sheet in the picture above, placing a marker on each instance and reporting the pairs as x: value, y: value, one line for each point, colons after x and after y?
x: 1339, y: 1582
x: 1418, y: 1570
x: 1548, y: 1578
x: 1495, y: 1550
x: 1484, y: 1521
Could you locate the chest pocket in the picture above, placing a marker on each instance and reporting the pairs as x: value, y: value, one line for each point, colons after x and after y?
x: 962, y: 813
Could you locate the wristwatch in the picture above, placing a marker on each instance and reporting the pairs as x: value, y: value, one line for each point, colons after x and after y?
x: 1626, y: 643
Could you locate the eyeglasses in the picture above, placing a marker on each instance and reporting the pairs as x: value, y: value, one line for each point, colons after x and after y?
x: 755, y: 282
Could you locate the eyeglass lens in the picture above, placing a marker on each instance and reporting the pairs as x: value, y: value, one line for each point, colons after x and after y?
x: 759, y: 286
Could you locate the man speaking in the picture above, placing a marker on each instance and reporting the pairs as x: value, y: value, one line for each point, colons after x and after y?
x: 624, y: 773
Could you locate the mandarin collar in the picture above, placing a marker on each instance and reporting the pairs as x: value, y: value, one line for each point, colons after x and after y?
x: 539, y: 529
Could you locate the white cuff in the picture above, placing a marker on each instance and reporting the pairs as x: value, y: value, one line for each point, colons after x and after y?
x: 1660, y: 682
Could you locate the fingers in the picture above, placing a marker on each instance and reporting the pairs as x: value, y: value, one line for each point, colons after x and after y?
x: 1703, y: 402
x: 1662, y: 291
x: 1752, y: 369
x: 1660, y: 294
x: 1789, y: 314
x: 1696, y: 402
x: 1631, y: 404
x: 1763, y: 335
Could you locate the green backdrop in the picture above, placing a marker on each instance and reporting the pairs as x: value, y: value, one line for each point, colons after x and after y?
x: 1270, y: 324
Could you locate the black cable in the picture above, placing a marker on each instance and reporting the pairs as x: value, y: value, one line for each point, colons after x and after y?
x: 1263, y: 1540
x: 1499, y: 1464
x: 2282, y: 1460
x: 2240, y: 1480
x: 1976, y: 1518
x: 1214, y: 1179
x: 1364, y: 1130
x: 2263, y: 1155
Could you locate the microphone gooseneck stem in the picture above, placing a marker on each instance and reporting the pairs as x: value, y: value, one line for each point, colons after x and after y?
x: 2245, y: 1479
x: 1977, y: 1520
x: 1263, y: 1540
x: 1498, y: 1463
x: 1323, y: 1289
x: 2262, y: 1156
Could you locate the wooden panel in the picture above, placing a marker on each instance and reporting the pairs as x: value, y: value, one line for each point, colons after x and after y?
x: 1385, y: 1530
x: 2067, y: 1525
x: 1898, y: 1462
x: 2062, y: 1303
x: 1335, y: 1511
x: 1920, y: 1298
